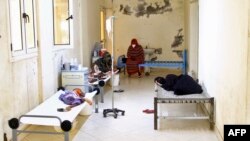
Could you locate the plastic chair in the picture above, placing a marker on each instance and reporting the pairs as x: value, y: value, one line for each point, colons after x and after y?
x: 120, y: 64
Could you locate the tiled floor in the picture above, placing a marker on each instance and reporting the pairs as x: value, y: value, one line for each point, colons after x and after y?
x: 136, y: 125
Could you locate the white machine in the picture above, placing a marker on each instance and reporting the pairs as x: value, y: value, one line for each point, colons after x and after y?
x: 73, y: 79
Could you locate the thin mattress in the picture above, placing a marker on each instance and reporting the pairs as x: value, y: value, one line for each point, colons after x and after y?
x: 49, y: 108
x: 170, y: 94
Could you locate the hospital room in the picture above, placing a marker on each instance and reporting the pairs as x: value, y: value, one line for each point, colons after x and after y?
x: 107, y: 70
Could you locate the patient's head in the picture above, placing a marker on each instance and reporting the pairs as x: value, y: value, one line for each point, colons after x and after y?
x: 160, y: 80
x: 79, y: 92
x: 134, y: 42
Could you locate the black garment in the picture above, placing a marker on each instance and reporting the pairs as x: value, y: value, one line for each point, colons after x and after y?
x: 104, y: 63
x: 186, y: 85
x: 171, y: 80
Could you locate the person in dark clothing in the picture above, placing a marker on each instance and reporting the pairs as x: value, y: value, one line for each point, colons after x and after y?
x: 181, y: 85
x: 135, y: 56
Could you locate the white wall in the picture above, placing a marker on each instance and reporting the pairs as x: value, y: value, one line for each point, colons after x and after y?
x: 4, y: 71
x: 193, y: 36
x: 223, y: 57
x: 248, y: 67
x: 90, y: 28
x: 156, y: 31
x: 45, y: 37
x: 19, y: 78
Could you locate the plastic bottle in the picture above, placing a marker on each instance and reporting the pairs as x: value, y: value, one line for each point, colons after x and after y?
x: 75, y: 62
x: 95, y: 53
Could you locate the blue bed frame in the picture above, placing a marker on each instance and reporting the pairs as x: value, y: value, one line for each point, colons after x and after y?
x: 169, y: 64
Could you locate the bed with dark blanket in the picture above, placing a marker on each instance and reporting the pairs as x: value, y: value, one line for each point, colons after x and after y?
x: 182, y: 90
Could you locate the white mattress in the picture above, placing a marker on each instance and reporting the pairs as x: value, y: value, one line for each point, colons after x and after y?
x: 170, y: 94
x: 49, y: 108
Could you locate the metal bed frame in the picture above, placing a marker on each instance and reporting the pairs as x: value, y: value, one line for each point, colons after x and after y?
x: 169, y: 64
x: 170, y: 98
x: 65, y: 126
x: 100, y: 84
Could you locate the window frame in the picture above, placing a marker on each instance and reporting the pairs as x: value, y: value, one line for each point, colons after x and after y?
x: 18, y: 6
x: 71, y: 35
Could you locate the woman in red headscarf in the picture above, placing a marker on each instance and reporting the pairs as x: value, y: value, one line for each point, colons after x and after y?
x: 135, y: 56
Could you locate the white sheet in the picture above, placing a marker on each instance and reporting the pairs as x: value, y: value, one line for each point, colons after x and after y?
x: 49, y: 108
x: 170, y: 94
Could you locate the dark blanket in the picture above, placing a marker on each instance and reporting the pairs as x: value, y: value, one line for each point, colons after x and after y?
x: 186, y: 85
x: 171, y: 80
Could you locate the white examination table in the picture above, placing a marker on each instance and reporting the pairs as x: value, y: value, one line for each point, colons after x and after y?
x: 46, y: 114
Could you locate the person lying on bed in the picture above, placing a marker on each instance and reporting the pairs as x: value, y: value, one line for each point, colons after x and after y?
x: 181, y: 85
x: 74, y: 98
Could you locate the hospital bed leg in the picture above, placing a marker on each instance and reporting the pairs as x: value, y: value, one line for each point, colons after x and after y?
x: 155, y: 113
x: 66, y: 136
x: 101, y: 89
x: 96, y: 104
x: 14, y: 135
x: 101, y: 84
x: 96, y: 98
x: 14, y: 124
x: 211, y: 118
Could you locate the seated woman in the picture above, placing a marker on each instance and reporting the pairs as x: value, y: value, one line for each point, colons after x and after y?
x: 135, y: 56
x: 74, y: 98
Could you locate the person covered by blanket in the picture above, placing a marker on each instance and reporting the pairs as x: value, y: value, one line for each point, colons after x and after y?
x: 181, y: 85
x: 74, y: 98
x: 135, y: 56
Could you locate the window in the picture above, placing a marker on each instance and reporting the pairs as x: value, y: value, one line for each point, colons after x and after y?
x: 23, y: 27
x: 102, y: 18
x: 63, y: 23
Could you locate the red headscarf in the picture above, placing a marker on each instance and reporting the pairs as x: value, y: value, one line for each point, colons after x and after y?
x: 134, y: 41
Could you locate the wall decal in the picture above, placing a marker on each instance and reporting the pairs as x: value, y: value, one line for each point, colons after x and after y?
x: 178, y: 39
x: 143, y: 8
